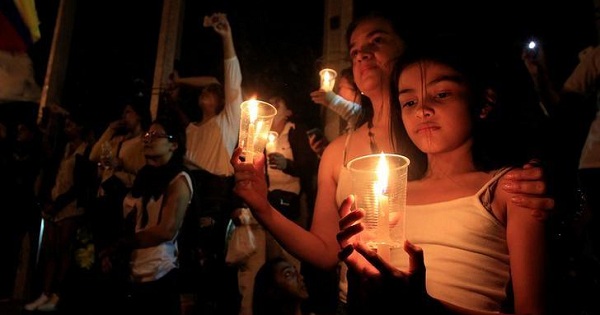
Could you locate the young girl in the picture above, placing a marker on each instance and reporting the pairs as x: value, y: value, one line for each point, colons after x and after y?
x: 483, y: 254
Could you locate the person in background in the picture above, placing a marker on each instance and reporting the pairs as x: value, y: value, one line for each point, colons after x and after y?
x: 456, y: 217
x: 155, y: 206
x: 346, y: 102
x: 119, y: 154
x: 578, y: 94
x: 374, y: 44
x: 21, y: 162
x: 63, y: 212
x: 210, y: 143
x: 279, y: 289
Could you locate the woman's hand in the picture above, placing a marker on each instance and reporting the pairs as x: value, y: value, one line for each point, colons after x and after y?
x: 250, y: 183
x: 530, y: 185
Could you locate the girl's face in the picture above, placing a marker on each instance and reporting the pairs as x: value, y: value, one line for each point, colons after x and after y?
x: 373, y: 47
x: 434, y: 99
x: 157, y: 143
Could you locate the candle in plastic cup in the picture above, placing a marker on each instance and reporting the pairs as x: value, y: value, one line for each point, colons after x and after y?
x: 327, y: 79
x: 379, y: 185
x: 271, y: 139
x: 255, y: 123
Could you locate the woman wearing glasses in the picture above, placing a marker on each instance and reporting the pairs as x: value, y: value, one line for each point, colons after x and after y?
x: 155, y: 209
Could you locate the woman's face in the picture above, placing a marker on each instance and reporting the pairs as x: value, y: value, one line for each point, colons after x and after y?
x: 208, y: 101
x: 374, y: 46
x: 157, y: 143
x: 131, y: 119
x: 435, y: 106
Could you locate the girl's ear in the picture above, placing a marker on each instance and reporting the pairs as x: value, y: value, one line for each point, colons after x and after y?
x: 490, y: 102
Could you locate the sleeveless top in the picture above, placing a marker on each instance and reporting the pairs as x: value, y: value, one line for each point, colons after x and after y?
x: 468, y: 263
x: 152, y: 263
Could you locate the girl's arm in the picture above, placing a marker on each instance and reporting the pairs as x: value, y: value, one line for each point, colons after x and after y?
x: 526, y: 244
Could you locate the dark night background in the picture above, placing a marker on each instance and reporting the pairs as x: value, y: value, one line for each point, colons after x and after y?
x: 280, y: 43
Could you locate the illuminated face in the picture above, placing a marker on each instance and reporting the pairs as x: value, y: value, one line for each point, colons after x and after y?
x: 290, y: 280
x: 435, y: 107
x: 373, y: 47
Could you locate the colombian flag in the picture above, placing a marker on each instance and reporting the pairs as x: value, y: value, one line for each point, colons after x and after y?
x: 19, y: 25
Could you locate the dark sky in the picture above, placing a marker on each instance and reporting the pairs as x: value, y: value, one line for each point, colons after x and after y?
x: 280, y: 43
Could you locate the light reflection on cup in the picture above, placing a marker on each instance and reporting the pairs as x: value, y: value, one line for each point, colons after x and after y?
x: 327, y: 79
x: 255, y: 123
x: 379, y: 186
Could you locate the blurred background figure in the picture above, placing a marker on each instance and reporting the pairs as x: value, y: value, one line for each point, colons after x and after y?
x: 279, y: 289
x: 63, y: 212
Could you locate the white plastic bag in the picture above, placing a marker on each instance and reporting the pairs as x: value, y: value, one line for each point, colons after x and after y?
x: 242, y: 243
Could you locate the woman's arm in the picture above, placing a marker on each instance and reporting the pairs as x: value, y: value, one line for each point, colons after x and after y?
x: 317, y: 246
x: 175, y: 204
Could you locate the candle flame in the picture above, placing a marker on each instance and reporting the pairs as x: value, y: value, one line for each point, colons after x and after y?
x: 272, y: 137
x: 253, y: 110
x: 382, y: 175
x: 326, y: 76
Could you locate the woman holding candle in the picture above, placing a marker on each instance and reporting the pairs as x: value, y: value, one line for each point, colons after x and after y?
x: 374, y: 45
x: 482, y: 252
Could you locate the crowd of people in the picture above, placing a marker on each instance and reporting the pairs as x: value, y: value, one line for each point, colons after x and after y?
x: 142, y: 214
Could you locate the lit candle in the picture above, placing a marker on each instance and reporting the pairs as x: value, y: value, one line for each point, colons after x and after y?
x: 327, y: 79
x: 271, y: 141
x: 383, y: 210
x: 251, y: 137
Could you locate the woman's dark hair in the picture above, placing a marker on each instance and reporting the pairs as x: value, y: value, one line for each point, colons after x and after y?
x: 480, y: 72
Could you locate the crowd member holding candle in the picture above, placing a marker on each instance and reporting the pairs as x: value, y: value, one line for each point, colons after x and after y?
x: 374, y: 44
x: 345, y: 103
x: 291, y: 170
x: 483, y: 253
